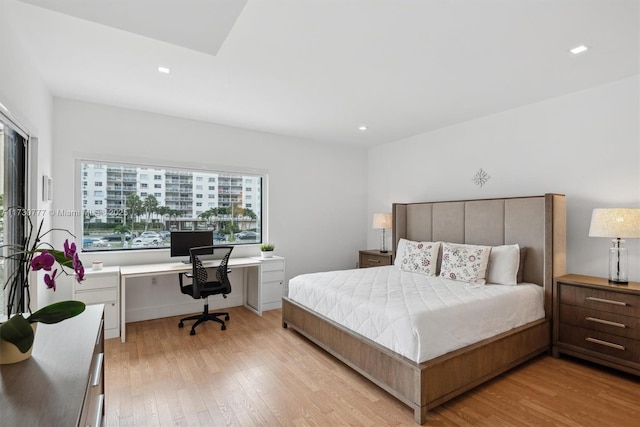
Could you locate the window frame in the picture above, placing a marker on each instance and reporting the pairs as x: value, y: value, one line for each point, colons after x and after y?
x: 193, y: 168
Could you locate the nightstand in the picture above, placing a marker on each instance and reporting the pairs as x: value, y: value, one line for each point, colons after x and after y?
x: 597, y: 321
x: 374, y: 258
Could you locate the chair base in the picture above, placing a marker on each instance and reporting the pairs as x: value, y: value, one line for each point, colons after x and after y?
x: 205, y: 316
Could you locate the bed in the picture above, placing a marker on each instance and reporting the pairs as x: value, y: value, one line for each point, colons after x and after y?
x: 536, y: 223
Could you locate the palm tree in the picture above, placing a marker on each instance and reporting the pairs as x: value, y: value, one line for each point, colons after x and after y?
x: 149, y: 206
x: 248, y: 213
x: 163, y: 211
x: 134, y: 207
x: 209, y: 215
x: 87, y: 216
x: 121, y: 229
x: 175, y: 213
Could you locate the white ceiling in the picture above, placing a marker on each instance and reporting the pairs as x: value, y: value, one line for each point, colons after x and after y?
x: 318, y: 69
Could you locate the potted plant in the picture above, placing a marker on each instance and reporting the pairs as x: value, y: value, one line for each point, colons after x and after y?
x: 266, y: 250
x: 18, y: 332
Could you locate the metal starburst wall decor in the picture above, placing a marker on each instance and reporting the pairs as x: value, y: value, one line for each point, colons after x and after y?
x: 481, y: 177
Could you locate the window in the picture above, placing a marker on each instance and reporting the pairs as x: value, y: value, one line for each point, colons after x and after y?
x: 129, y: 208
x: 13, y: 194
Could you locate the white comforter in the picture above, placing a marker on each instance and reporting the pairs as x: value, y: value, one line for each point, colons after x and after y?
x: 417, y: 316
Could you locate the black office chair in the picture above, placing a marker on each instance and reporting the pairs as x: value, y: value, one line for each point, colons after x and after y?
x: 202, y: 288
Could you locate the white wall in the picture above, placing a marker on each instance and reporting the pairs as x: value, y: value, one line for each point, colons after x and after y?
x: 317, y: 192
x: 585, y: 145
x: 23, y: 92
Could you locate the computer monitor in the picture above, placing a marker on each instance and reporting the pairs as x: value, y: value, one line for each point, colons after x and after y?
x: 182, y: 241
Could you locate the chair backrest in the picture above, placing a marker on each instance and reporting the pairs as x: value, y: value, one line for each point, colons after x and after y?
x: 200, y: 276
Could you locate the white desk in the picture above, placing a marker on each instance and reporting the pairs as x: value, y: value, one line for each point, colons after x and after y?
x: 252, y: 293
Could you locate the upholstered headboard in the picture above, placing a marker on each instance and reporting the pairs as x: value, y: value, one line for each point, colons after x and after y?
x: 537, y: 223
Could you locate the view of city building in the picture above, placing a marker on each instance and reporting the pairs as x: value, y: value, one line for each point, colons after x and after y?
x: 122, y: 201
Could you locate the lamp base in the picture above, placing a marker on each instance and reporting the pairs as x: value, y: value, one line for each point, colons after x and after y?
x: 618, y: 262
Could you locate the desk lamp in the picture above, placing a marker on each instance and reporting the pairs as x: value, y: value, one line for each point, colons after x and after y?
x: 382, y: 221
x: 618, y: 223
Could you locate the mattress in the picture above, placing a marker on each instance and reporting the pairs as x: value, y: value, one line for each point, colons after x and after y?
x: 417, y: 316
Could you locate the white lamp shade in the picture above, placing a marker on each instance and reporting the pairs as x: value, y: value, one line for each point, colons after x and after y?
x: 382, y: 220
x: 615, y: 222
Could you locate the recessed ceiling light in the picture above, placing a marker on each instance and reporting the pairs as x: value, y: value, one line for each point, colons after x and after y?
x: 164, y: 70
x: 579, y: 49
x: 362, y: 128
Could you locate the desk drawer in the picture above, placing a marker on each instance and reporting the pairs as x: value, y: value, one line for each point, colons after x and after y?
x: 97, y: 297
x: 609, y: 301
x: 98, y: 282
x: 272, y: 265
x: 272, y: 276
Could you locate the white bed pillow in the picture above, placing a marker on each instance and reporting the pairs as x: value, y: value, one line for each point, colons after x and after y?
x: 465, y: 263
x: 503, y: 265
x: 419, y: 257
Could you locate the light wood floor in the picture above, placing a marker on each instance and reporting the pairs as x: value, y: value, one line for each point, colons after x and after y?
x: 257, y: 373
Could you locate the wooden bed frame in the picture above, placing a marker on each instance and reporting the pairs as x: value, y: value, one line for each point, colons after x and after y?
x: 537, y: 223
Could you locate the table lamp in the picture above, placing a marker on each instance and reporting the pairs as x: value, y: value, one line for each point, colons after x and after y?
x: 382, y: 221
x: 618, y: 223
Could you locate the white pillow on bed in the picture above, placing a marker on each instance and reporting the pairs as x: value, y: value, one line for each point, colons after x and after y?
x: 504, y: 262
x: 418, y: 257
x: 465, y: 263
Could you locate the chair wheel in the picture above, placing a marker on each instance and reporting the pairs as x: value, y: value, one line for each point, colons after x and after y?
x: 224, y: 328
x: 226, y: 317
x: 180, y: 325
x: 193, y: 332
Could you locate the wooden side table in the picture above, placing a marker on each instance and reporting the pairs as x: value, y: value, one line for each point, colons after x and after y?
x: 374, y: 258
x: 597, y: 321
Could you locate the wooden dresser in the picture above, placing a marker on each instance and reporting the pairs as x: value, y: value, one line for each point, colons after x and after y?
x: 374, y: 258
x: 62, y: 383
x: 597, y: 321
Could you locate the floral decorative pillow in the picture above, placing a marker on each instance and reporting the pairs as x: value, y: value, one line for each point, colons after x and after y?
x: 420, y: 257
x: 465, y: 263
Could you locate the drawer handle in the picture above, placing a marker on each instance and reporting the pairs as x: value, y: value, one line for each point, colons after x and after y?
x: 606, y: 343
x: 606, y: 322
x: 97, y: 370
x: 608, y: 301
x: 377, y: 261
x: 99, y: 410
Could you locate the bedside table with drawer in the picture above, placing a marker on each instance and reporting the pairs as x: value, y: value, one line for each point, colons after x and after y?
x: 374, y: 258
x: 597, y: 321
